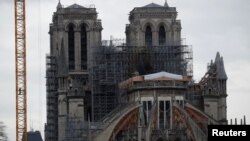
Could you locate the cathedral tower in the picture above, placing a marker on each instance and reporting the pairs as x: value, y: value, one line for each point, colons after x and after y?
x: 74, y: 34
x: 153, y: 25
x: 215, y: 90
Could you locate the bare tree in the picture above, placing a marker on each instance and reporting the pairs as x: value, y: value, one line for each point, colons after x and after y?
x: 3, y: 136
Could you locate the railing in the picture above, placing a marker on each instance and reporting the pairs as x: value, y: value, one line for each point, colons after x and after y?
x: 114, y: 42
x: 170, y: 84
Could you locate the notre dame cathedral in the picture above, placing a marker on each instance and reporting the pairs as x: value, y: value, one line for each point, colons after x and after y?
x: 137, y: 89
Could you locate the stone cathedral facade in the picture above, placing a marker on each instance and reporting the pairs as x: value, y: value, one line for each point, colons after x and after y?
x: 138, y: 89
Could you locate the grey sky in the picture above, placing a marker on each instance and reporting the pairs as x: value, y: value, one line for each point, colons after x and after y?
x: 208, y: 25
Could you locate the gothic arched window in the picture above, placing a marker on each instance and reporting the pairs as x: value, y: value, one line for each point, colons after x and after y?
x: 71, y: 47
x: 162, y: 35
x: 148, y: 36
x: 83, y: 47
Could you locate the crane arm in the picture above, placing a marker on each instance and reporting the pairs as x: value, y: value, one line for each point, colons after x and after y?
x: 20, y: 62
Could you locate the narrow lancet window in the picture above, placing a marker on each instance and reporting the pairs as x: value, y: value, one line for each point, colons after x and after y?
x: 71, y: 47
x: 83, y: 47
x: 162, y: 36
x: 148, y: 36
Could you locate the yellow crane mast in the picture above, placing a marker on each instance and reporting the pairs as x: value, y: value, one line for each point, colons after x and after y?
x: 20, y: 61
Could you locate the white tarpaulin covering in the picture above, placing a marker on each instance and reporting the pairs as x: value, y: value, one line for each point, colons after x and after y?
x: 162, y: 74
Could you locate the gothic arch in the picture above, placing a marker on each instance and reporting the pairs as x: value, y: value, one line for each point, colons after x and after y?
x: 163, y: 23
x: 148, y: 23
x: 84, y: 23
x: 70, y: 23
x: 163, y: 35
x: 148, y: 27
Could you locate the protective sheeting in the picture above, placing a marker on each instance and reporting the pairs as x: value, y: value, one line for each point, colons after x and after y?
x: 162, y: 74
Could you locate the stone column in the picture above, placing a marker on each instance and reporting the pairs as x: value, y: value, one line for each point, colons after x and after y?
x: 172, y: 37
x: 89, y: 48
x: 155, y: 38
x: 168, y: 38
x: 62, y: 114
x: 139, y: 39
x: 178, y: 37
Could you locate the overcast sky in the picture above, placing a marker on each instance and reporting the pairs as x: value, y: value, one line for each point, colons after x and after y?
x: 208, y: 25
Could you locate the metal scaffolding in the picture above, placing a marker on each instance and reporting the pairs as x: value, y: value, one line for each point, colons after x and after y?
x: 76, y: 130
x: 51, y: 128
x: 113, y: 64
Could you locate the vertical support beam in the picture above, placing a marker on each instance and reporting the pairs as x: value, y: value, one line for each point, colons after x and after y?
x: 168, y: 36
x: 20, y: 61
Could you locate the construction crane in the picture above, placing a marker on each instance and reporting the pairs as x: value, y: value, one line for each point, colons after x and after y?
x: 20, y: 59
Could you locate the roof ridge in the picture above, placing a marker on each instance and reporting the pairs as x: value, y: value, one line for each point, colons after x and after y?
x: 75, y: 5
x: 153, y: 5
